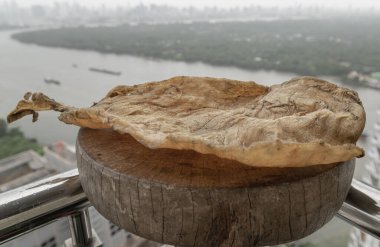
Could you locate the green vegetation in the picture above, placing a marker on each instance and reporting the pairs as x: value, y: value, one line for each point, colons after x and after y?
x: 308, y: 47
x: 307, y: 244
x: 376, y: 75
x: 13, y: 141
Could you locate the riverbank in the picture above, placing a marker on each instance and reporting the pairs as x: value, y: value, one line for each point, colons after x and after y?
x: 307, y: 47
x: 5, y: 27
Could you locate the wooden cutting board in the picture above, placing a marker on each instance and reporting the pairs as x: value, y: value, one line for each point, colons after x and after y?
x: 185, y: 198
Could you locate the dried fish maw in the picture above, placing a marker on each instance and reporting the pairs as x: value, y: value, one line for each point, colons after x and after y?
x: 302, y: 122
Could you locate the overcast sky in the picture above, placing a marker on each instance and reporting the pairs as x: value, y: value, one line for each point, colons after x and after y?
x: 219, y: 3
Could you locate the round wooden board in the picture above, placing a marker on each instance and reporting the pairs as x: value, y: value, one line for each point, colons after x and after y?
x: 185, y: 198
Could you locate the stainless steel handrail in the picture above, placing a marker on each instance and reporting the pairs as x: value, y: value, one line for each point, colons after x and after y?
x: 39, y: 203
x: 362, y: 208
x: 34, y: 205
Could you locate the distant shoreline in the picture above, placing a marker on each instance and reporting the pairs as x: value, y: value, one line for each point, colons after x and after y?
x: 248, y: 45
x: 6, y: 27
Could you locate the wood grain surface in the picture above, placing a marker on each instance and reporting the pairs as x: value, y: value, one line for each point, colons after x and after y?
x: 185, y: 198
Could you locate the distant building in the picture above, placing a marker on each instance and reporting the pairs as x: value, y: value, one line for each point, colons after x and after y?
x: 25, y: 167
x: 369, y: 80
x: 372, y: 177
x: 60, y: 156
x: 21, y: 169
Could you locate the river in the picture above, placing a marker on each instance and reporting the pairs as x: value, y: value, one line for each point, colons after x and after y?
x: 23, y: 68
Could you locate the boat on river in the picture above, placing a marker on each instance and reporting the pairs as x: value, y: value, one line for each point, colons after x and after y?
x: 49, y: 80
x: 105, y: 71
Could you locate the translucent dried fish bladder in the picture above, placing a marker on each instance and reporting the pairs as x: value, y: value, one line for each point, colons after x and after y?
x: 304, y: 121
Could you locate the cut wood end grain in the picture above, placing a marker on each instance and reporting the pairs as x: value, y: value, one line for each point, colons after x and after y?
x: 189, y: 199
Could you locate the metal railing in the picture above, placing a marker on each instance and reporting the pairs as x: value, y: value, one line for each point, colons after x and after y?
x: 37, y: 204
x: 34, y: 205
x: 362, y: 208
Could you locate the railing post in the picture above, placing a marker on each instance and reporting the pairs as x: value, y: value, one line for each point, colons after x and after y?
x: 80, y: 228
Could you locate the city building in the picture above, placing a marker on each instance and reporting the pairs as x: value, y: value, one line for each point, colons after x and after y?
x: 371, y: 175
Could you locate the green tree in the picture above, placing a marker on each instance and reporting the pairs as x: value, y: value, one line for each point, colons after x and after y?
x: 307, y: 244
x: 3, y: 127
x: 13, y: 141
